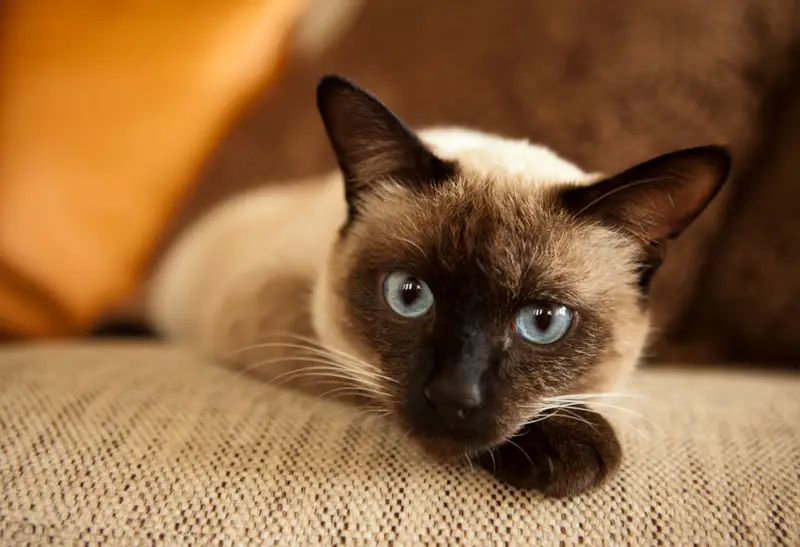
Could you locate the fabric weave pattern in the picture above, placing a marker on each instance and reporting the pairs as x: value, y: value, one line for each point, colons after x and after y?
x: 133, y: 445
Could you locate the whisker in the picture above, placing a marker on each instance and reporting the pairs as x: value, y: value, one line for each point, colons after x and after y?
x: 301, y: 371
x: 300, y: 374
x: 310, y: 342
x: 573, y: 404
x: 469, y: 462
x: 374, y: 393
x: 288, y: 345
x: 636, y: 430
x: 362, y: 390
x: 540, y: 417
x: 332, y: 367
x: 538, y: 409
x: 321, y: 347
x: 322, y: 377
x: 588, y: 405
x: 537, y: 419
x: 611, y: 395
x: 342, y: 390
x: 626, y: 423
x: 512, y: 443
x: 570, y: 414
x: 629, y: 411
x: 315, y: 351
x: 232, y: 356
x: 494, y: 462
x: 341, y: 375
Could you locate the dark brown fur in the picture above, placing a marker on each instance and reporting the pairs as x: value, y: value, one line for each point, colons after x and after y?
x: 558, y: 455
x: 478, y: 291
x: 487, y: 245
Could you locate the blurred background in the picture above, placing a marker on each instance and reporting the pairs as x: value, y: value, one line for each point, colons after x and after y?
x: 121, y: 122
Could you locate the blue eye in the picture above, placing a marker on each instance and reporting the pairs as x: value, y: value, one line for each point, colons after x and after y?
x: 543, y: 323
x: 408, y: 296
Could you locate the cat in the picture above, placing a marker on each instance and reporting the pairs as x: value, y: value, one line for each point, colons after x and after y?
x: 465, y: 283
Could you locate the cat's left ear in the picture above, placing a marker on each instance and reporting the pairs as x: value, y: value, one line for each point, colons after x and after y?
x: 371, y: 143
x: 656, y: 200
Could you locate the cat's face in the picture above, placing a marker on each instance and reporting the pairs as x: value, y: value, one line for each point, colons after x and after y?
x: 474, y: 298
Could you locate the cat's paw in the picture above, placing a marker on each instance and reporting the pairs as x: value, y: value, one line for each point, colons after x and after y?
x: 559, y: 455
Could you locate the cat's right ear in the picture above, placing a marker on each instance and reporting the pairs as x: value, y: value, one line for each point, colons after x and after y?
x: 655, y: 201
x: 371, y: 143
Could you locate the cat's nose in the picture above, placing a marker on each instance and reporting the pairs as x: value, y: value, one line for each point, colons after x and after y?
x: 454, y: 400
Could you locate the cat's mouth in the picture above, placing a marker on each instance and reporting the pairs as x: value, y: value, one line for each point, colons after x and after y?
x: 447, y: 436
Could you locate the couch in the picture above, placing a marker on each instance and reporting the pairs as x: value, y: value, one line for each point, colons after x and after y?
x: 123, y: 443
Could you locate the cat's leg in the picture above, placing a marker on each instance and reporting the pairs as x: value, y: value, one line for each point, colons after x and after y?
x: 559, y: 455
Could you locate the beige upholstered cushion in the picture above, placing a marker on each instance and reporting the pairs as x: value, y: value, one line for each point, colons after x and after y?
x: 139, y: 444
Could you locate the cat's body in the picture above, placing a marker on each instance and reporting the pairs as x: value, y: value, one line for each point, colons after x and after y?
x: 464, y: 282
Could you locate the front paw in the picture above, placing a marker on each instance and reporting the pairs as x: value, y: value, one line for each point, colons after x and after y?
x: 560, y: 455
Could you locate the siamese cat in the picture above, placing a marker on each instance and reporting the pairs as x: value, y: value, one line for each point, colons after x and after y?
x: 464, y: 283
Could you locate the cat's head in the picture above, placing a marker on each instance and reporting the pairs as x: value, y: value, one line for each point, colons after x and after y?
x: 472, y: 295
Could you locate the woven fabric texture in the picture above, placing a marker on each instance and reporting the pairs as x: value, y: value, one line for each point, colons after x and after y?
x: 134, y: 445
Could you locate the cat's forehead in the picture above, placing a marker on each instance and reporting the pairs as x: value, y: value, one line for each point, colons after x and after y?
x: 514, y: 234
x: 483, y: 154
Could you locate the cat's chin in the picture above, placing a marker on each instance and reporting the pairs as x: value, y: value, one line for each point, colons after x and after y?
x: 447, y: 450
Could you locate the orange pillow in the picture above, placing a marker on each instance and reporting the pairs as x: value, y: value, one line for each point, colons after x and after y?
x: 107, y: 110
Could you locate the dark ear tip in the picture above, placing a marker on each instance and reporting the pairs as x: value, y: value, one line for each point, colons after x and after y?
x: 332, y: 83
x: 718, y: 156
x: 332, y: 79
